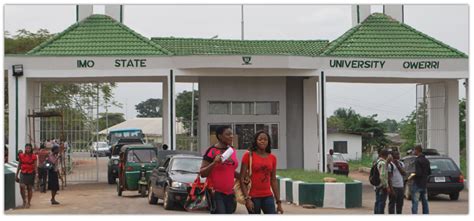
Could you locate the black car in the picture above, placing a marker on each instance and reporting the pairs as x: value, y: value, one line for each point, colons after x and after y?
x: 112, y: 165
x: 172, y: 180
x: 445, y: 178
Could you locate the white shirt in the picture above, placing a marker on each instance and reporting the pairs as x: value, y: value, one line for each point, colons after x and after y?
x: 397, y: 178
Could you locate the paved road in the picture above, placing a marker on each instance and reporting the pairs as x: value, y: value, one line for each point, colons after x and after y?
x: 101, y: 198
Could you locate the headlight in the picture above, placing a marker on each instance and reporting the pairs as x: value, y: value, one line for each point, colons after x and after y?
x: 116, y: 162
x: 179, y: 185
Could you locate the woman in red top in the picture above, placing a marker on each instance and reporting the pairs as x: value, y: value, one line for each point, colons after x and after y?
x: 220, y: 174
x: 27, y: 166
x: 263, y: 179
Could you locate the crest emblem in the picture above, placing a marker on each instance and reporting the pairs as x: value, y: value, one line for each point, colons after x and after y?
x: 246, y: 60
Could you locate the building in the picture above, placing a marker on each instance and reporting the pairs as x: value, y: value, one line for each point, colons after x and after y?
x: 348, y: 144
x: 278, y: 86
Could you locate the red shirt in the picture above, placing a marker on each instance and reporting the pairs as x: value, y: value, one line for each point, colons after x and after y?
x: 262, y: 168
x: 27, y: 162
x: 221, y: 177
x: 43, y: 154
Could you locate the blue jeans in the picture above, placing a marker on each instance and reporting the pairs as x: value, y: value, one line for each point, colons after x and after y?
x: 223, y: 203
x: 265, y: 204
x: 417, y: 194
x: 380, y: 200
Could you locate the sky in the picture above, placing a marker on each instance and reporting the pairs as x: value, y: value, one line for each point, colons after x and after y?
x: 447, y: 23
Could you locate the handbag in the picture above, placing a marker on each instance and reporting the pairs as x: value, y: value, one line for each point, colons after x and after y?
x: 197, y: 198
x: 239, y: 195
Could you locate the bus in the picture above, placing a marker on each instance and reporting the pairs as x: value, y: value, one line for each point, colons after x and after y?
x: 116, y: 134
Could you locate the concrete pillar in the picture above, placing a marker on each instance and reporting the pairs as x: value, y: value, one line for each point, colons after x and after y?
x: 394, y: 11
x: 294, y: 123
x: 166, y: 111
x: 115, y: 11
x: 359, y: 13
x: 22, y: 112
x: 322, y: 122
x: 310, y: 124
x: 83, y: 11
x: 436, y: 117
x: 452, y: 113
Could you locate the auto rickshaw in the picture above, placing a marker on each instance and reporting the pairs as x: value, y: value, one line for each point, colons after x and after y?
x: 136, y: 162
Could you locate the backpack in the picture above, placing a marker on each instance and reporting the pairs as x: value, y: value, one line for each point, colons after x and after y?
x: 374, y: 176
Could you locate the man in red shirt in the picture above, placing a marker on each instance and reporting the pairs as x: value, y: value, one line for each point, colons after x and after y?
x: 43, y: 154
x: 28, y: 168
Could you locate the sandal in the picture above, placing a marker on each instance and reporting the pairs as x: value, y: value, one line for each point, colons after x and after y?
x: 54, y: 202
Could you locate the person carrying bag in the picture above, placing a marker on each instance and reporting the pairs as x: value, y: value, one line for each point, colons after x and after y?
x: 239, y: 195
x: 198, y: 197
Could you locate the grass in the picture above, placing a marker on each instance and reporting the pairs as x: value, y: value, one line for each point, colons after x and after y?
x: 463, y: 165
x: 311, y: 176
x: 365, y: 161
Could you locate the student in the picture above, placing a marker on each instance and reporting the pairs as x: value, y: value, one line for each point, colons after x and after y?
x: 264, y: 190
x: 418, y: 188
x: 220, y: 174
x: 6, y: 154
x: 43, y: 154
x: 330, y: 161
x: 27, y: 166
x: 383, y: 189
x: 396, y: 173
x: 53, y: 178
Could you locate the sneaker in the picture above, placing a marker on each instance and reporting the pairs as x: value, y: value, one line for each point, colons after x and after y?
x: 54, y: 202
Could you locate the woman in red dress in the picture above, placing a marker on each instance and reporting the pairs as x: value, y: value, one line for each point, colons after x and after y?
x: 28, y: 168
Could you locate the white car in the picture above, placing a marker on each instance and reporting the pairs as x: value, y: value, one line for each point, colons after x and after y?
x: 99, y: 149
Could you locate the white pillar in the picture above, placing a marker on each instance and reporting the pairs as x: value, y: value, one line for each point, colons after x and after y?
x: 452, y: 113
x: 310, y: 124
x: 114, y: 11
x: 83, y: 11
x: 395, y: 11
x: 359, y: 13
x: 436, y: 117
x: 22, y: 112
x: 322, y: 121
x: 33, y: 104
x: 166, y: 115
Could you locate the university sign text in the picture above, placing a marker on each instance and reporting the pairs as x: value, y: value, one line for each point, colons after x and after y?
x: 381, y: 64
x: 118, y: 63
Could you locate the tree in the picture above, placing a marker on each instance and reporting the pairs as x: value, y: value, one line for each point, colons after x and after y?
x: 408, y: 131
x: 152, y: 107
x: 390, y: 125
x: 24, y: 40
x: 462, y: 124
x: 109, y: 120
x: 183, y: 108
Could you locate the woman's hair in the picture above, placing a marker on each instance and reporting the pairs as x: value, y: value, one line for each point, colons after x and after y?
x: 220, y: 130
x: 254, y: 146
x: 29, y: 145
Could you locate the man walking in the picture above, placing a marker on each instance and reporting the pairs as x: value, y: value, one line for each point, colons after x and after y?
x: 418, y: 188
x: 383, y: 189
x: 330, y: 161
x: 396, y: 172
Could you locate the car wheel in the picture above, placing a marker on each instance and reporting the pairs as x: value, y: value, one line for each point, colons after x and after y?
x: 143, y: 191
x: 152, y: 199
x: 110, y: 177
x: 167, y: 203
x: 454, y: 196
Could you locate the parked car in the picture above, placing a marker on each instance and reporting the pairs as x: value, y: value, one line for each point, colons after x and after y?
x: 172, y: 181
x: 340, y: 165
x: 445, y: 178
x: 426, y: 152
x: 112, y: 165
x: 99, y: 149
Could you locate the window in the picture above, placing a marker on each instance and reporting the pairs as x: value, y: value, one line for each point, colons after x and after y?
x: 272, y: 130
x: 340, y: 146
x: 141, y: 156
x: 244, y: 135
x: 219, y: 107
x: 267, y: 108
x: 242, y: 108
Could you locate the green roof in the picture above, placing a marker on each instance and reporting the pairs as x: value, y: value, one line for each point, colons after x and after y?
x: 98, y: 35
x: 199, y: 46
x: 384, y: 37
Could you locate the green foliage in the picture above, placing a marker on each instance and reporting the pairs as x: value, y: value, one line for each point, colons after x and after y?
x: 408, y: 131
x: 184, y: 106
x: 462, y: 124
x: 347, y: 120
x: 365, y: 161
x: 110, y: 119
x: 390, y: 125
x: 24, y: 40
x: 153, y: 107
x: 311, y: 176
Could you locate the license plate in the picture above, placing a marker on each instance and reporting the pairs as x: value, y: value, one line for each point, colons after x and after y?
x: 336, y: 168
x: 440, y: 179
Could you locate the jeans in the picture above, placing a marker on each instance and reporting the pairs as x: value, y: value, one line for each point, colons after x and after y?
x: 380, y: 199
x: 416, y: 195
x: 265, y: 204
x: 396, y: 201
x: 223, y: 203
x: 42, y: 176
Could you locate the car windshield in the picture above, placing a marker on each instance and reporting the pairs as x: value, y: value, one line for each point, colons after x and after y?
x: 141, y: 156
x: 338, y: 157
x: 115, y: 136
x: 191, y: 165
x: 442, y: 165
x: 102, y: 145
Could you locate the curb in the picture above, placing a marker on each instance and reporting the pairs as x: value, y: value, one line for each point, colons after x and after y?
x: 325, y: 195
